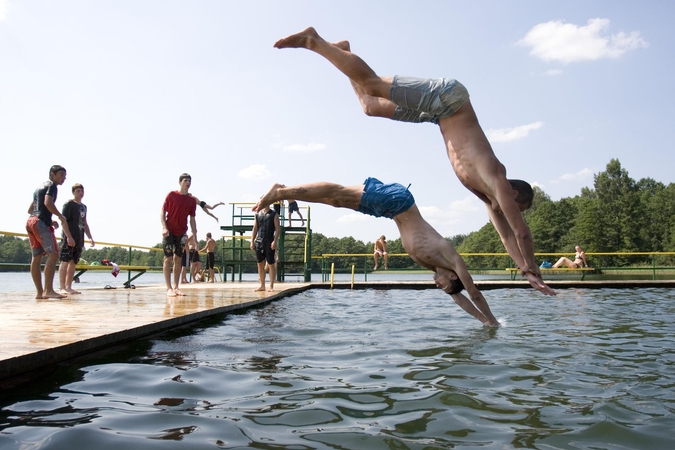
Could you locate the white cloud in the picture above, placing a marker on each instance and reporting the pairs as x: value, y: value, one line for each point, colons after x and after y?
x: 537, y: 184
x: 453, y: 212
x: 3, y: 9
x: 303, y: 148
x: 352, y: 218
x: 512, y: 134
x: 582, y: 175
x: 255, y: 172
x: 552, y: 73
x: 566, y: 42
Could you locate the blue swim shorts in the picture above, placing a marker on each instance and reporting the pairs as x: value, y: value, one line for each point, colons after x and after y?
x: 426, y: 99
x: 385, y: 200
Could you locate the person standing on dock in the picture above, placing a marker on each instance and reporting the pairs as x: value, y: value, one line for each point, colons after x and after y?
x: 75, y: 213
x: 210, y: 248
x: 444, y: 102
x: 265, y: 236
x: 424, y: 244
x: 178, y: 206
x: 40, y: 229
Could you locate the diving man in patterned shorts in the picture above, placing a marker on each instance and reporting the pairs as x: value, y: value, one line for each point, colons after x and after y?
x: 424, y: 244
x: 444, y: 102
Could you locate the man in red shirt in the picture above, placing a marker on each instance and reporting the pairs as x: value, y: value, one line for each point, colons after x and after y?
x: 178, y: 205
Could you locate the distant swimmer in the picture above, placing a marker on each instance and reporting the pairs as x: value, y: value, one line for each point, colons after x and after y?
x: 208, y: 208
x: 444, y: 102
x: 424, y: 244
x: 178, y: 206
x: 40, y: 228
x: 75, y: 213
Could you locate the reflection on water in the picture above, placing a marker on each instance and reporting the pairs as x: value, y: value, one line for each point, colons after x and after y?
x: 378, y: 369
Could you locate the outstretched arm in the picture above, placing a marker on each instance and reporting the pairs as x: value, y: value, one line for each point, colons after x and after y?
x: 517, y: 238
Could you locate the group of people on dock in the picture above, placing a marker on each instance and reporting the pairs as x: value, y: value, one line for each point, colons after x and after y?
x: 444, y: 102
x: 40, y: 228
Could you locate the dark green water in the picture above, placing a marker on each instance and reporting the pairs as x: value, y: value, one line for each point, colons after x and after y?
x: 592, y: 369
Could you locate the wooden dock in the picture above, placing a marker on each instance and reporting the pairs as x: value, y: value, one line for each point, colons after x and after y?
x: 38, y: 334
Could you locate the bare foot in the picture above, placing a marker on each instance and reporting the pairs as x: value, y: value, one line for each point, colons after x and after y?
x: 52, y: 294
x: 170, y: 293
x: 270, y: 289
x: 211, y: 281
x: 375, y: 268
x: 72, y: 291
x: 260, y: 289
x: 302, y: 39
x: 269, y: 198
x: 38, y: 296
x: 178, y: 292
x: 342, y: 45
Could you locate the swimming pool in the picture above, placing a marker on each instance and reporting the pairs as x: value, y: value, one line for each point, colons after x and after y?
x: 377, y: 369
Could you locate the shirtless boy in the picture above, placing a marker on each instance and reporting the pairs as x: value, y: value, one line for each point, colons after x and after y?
x: 444, y: 102
x: 424, y: 244
x: 209, y: 248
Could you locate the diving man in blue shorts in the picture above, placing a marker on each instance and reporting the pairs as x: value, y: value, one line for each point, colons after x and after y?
x: 424, y: 244
x: 444, y: 102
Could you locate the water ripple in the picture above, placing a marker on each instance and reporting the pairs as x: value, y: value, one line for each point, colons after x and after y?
x: 380, y: 369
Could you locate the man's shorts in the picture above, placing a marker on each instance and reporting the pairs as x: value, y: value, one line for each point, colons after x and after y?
x: 41, y: 237
x: 426, y: 99
x: 264, y: 252
x: 293, y: 207
x: 210, y: 260
x: 173, y: 245
x: 69, y: 253
x: 385, y: 200
x: 194, y: 256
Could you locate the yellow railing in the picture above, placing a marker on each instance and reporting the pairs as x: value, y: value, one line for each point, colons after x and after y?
x: 595, y: 263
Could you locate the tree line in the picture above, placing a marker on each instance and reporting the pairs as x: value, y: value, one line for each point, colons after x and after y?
x: 618, y: 214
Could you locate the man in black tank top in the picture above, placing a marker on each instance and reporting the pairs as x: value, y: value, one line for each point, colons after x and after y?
x: 265, y: 237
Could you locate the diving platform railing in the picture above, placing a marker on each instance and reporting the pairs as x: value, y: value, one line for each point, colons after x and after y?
x: 238, y: 255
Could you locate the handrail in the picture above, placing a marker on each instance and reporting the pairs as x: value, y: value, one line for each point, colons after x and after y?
x: 24, y: 235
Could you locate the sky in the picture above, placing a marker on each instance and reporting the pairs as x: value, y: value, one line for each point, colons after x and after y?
x: 129, y: 94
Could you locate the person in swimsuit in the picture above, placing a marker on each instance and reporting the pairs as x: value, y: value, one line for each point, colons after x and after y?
x: 293, y: 208
x: 209, y: 248
x: 444, y: 102
x: 578, y: 263
x: 381, y: 251
x: 422, y: 242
